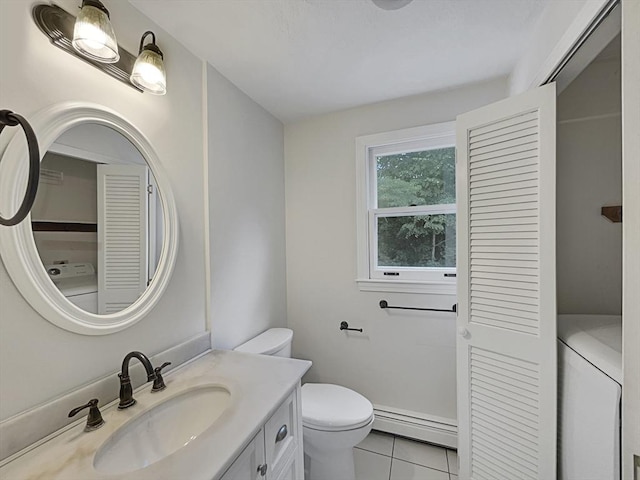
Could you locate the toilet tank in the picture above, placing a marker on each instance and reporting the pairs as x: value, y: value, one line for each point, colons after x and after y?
x: 275, y: 341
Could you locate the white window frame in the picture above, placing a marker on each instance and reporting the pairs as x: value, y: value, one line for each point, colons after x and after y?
x: 409, y: 279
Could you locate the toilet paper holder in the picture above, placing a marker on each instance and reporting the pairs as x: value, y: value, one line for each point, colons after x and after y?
x: 345, y: 326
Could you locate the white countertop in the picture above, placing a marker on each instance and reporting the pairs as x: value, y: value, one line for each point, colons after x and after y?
x: 258, y: 384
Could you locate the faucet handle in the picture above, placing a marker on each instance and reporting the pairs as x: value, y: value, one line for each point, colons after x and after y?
x: 94, y: 419
x: 158, y: 383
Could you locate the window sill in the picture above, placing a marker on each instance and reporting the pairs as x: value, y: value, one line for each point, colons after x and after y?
x: 398, y: 286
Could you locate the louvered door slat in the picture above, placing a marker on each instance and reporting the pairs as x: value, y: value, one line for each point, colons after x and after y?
x: 506, y: 289
x: 502, y: 194
x: 509, y: 324
x: 505, y: 143
x: 511, y: 445
x: 503, y: 161
x: 507, y: 153
x: 498, y: 256
x: 513, y: 414
x: 525, y: 265
x: 497, y: 132
x: 506, y: 234
x: 517, y: 394
x: 515, y: 187
x: 486, y: 244
x: 514, y: 169
x: 504, y: 273
x: 507, y: 408
x: 486, y: 309
x: 482, y: 472
x: 486, y: 313
x: 499, y: 371
x: 506, y: 138
x: 522, y: 289
x: 530, y: 206
x: 514, y: 468
x: 498, y: 180
x: 527, y: 303
x: 500, y: 125
x: 506, y: 249
x: 516, y: 199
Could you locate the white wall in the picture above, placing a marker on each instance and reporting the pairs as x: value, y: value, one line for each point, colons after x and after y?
x: 589, y: 176
x: 555, y: 32
x: 75, y: 199
x: 39, y: 361
x: 72, y: 200
x: 246, y: 208
x: 403, y: 360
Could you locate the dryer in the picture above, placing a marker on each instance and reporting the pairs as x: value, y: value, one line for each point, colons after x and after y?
x: 78, y: 282
x: 589, y: 396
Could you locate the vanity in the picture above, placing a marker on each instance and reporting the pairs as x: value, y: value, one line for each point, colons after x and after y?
x: 222, y: 416
x: 234, y: 416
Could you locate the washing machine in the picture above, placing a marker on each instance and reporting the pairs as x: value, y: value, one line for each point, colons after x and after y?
x: 589, y: 396
x: 78, y: 282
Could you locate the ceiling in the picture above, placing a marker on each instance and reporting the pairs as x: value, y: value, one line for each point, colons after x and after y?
x: 299, y: 58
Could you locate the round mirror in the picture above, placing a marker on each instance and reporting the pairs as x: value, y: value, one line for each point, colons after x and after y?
x: 98, y: 249
x: 97, y: 219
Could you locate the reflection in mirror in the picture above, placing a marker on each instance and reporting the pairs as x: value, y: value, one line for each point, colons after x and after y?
x: 97, y: 219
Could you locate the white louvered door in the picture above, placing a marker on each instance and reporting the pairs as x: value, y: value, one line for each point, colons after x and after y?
x: 506, y: 348
x: 122, y: 235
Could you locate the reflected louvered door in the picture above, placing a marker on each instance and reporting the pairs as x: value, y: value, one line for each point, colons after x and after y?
x: 122, y: 235
x: 506, y: 348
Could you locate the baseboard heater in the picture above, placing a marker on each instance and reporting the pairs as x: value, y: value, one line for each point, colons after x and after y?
x: 427, y: 428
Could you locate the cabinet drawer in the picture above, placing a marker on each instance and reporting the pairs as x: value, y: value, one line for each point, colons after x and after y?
x: 281, y: 435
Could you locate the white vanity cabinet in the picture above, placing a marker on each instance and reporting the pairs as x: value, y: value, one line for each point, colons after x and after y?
x: 275, y: 453
x: 262, y: 429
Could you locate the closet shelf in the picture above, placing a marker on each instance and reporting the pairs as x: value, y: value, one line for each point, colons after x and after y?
x: 63, y: 227
x: 613, y: 214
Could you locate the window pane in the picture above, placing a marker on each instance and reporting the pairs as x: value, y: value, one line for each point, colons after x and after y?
x: 417, y: 241
x: 416, y: 178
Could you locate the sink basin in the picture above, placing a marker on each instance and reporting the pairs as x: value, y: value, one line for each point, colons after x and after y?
x: 162, y: 430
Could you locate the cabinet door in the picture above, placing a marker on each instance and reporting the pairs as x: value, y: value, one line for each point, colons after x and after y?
x: 247, y: 465
x: 290, y: 472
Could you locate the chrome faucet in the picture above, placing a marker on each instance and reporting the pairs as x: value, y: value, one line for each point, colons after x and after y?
x: 126, y: 392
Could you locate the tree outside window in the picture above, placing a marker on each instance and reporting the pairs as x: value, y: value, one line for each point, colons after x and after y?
x: 405, y: 182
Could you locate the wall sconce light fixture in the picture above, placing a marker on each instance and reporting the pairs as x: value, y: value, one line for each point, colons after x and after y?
x: 60, y: 27
x: 93, y: 35
x: 148, y: 71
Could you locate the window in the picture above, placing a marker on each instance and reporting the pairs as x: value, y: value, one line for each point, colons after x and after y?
x: 406, y: 210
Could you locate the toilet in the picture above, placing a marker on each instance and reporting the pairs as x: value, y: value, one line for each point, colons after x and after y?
x: 334, y: 418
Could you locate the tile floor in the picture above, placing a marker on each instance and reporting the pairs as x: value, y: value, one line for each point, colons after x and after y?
x: 382, y: 456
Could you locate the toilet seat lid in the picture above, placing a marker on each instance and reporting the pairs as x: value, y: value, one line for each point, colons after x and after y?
x: 332, y: 407
x: 267, y: 342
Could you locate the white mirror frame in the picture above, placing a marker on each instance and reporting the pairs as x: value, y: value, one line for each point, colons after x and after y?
x: 17, y: 246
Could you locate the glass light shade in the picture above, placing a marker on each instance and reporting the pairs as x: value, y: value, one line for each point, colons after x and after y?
x: 149, y: 74
x: 93, y: 35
